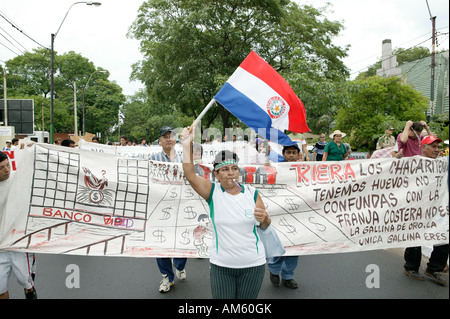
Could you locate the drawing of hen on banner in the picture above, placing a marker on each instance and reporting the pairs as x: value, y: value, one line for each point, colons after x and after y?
x: 94, y: 192
x: 81, y: 203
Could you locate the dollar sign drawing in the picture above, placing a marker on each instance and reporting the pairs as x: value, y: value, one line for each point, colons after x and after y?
x: 166, y: 212
x: 173, y: 193
x: 290, y: 201
x: 158, y: 234
x: 190, y: 212
x: 290, y: 229
x: 272, y: 192
x: 320, y: 227
x: 185, y: 236
x: 189, y: 192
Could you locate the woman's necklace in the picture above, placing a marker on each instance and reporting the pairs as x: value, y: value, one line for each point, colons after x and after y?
x: 239, y: 188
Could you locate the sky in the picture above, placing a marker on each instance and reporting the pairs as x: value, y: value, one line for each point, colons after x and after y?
x: 99, y: 33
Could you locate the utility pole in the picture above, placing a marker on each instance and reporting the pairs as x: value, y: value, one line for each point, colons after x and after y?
x: 43, y: 119
x: 433, y: 59
x: 52, y: 66
x: 52, y: 74
x: 75, y: 124
x: 433, y: 63
x: 5, y: 100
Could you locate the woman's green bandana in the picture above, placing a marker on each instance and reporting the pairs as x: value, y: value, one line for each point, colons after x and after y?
x: 225, y: 163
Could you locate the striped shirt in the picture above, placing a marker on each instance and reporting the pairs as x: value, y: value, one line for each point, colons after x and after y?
x: 162, y: 157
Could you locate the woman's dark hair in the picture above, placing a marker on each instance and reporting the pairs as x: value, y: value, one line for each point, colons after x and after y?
x: 225, y: 155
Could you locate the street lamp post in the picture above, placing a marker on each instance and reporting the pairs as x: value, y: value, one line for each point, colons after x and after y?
x: 84, y: 89
x: 52, y: 64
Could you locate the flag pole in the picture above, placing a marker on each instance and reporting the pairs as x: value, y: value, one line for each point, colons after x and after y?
x: 210, y: 104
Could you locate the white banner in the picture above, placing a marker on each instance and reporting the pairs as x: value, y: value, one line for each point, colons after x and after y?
x: 246, y: 152
x: 68, y: 201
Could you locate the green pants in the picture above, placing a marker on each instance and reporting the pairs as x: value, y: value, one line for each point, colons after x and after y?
x: 232, y: 283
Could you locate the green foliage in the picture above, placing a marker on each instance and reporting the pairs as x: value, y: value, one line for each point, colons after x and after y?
x: 29, y: 77
x: 143, y: 119
x: 192, y: 47
x: 323, y: 92
x: 375, y: 104
x: 411, y: 54
x: 439, y: 125
x: 29, y: 74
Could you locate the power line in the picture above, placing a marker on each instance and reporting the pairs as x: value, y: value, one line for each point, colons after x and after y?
x: 9, y: 48
x: 11, y: 41
x: 410, y: 48
x: 14, y: 39
x: 377, y: 55
x: 3, y: 15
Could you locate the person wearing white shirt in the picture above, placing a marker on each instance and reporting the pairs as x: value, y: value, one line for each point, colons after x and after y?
x: 237, y: 255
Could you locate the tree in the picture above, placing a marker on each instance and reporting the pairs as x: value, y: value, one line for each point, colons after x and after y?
x: 440, y: 125
x: 29, y: 74
x: 102, y: 99
x: 323, y: 94
x: 375, y: 104
x: 150, y: 118
x: 29, y: 77
x: 192, y: 47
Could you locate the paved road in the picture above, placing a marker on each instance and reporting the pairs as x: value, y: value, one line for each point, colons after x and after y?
x: 319, y: 276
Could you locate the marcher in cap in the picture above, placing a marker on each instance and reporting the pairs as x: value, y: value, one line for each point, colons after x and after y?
x: 386, y: 140
x: 168, y: 154
x: 165, y: 129
x: 430, y: 140
x: 413, y: 255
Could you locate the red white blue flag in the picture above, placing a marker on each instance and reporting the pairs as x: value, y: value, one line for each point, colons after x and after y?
x: 260, y: 97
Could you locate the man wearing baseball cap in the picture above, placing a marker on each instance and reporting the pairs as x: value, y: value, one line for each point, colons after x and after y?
x: 386, y: 140
x: 167, y: 140
x: 430, y: 146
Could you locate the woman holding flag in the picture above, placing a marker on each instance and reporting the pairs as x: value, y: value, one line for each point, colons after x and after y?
x: 258, y: 96
x: 237, y: 255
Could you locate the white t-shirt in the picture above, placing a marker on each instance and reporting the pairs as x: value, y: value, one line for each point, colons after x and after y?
x: 235, y: 242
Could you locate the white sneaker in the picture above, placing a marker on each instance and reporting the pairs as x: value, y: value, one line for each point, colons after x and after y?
x: 165, y: 284
x: 181, y: 274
